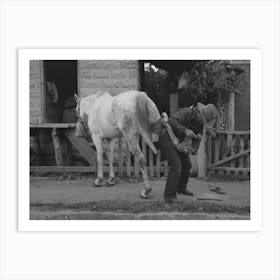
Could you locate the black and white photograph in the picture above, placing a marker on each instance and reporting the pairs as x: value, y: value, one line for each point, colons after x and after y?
x: 139, y: 139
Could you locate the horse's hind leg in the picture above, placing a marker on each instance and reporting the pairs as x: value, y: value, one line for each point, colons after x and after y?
x: 111, y: 179
x: 98, y: 145
x: 137, y: 153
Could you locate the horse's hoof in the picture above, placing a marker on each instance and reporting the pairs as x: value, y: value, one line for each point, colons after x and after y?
x: 111, y: 181
x: 98, y: 182
x: 145, y: 194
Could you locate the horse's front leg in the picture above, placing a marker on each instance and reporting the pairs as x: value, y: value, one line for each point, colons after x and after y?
x: 111, y: 179
x: 99, y: 149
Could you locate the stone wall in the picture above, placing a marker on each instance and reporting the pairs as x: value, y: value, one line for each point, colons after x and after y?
x: 115, y: 76
x: 35, y: 92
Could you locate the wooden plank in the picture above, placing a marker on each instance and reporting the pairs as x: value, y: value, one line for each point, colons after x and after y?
x: 229, y: 149
x: 230, y: 158
x: 228, y: 168
x: 224, y: 149
x: 241, y: 159
x: 136, y: 167
x: 231, y: 111
x: 248, y: 161
x: 249, y: 156
x: 232, y: 152
x: 63, y: 169
x: 217, y: 147
x: 151, y: 163
x: 237, y: 150
x: 209, y: 149
x: 128, y: 163
x: 210, y: 155
x: 158, y: 164
x: 201, y: 156
x: 53, y: 125
x: 144, y: 150
x: 83, y: 146
x: 88, y: 169
x: 69, y: 151
x: 57, y: 148
x: 120, y: 160
x: 232, y: 132
x: 43, y: 92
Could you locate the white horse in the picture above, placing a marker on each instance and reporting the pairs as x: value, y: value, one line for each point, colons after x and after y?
x: 129, y: 114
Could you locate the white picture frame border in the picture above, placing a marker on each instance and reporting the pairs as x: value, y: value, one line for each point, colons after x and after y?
x: 255, y: 57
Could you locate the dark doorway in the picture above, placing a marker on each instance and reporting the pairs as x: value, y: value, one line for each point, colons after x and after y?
x: 61, y: 84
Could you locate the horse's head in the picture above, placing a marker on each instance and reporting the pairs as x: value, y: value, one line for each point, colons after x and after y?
x: 82, y: 129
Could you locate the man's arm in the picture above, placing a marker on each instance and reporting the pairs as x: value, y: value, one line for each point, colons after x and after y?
x: 176, y: 125
x: 177, y: 121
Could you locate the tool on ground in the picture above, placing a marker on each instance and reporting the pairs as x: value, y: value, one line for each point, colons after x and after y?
x: 217, y: 190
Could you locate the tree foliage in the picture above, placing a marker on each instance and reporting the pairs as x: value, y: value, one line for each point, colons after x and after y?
x: 211, y: 80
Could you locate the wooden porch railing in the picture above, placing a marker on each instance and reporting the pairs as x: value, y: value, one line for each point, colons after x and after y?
x: 228, y: 153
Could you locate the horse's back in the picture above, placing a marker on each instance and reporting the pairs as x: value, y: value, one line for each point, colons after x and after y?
x: 127, y: 97
x: 90, y: 103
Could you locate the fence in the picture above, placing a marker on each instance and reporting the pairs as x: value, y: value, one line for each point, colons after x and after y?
x: 127, y: 165
x: 228, y: 153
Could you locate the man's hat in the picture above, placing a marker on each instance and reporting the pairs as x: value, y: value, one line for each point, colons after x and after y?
x: 209, y: 114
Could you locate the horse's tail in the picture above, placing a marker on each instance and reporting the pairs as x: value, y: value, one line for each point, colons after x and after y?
x: 143, y: 117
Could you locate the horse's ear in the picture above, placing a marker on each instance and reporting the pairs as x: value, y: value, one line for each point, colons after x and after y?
x: 77, y: 98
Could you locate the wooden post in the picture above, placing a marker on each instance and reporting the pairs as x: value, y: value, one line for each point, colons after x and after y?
x: 69, y: 151
x: 120, y: 157
x: 231, y: 112
x: 136, y: 167
x: 128, y: 163
x: 201, y: 156
x: 57, y: 148
x: 174, y: 103
x: 43, y: 92
x: 158, y: 164
x: 151, y: 163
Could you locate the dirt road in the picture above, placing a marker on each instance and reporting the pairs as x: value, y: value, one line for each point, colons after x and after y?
x: 78, y: 199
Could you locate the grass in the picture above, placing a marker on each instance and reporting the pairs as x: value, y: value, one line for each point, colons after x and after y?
x: 144, y: 207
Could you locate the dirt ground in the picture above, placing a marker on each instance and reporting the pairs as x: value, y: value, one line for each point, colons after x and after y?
x: 59, y: 198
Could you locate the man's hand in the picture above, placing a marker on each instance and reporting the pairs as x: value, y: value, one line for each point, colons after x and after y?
x: 190, y: 133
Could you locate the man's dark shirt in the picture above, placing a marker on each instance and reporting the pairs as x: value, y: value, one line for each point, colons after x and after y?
x: 182, y: 119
